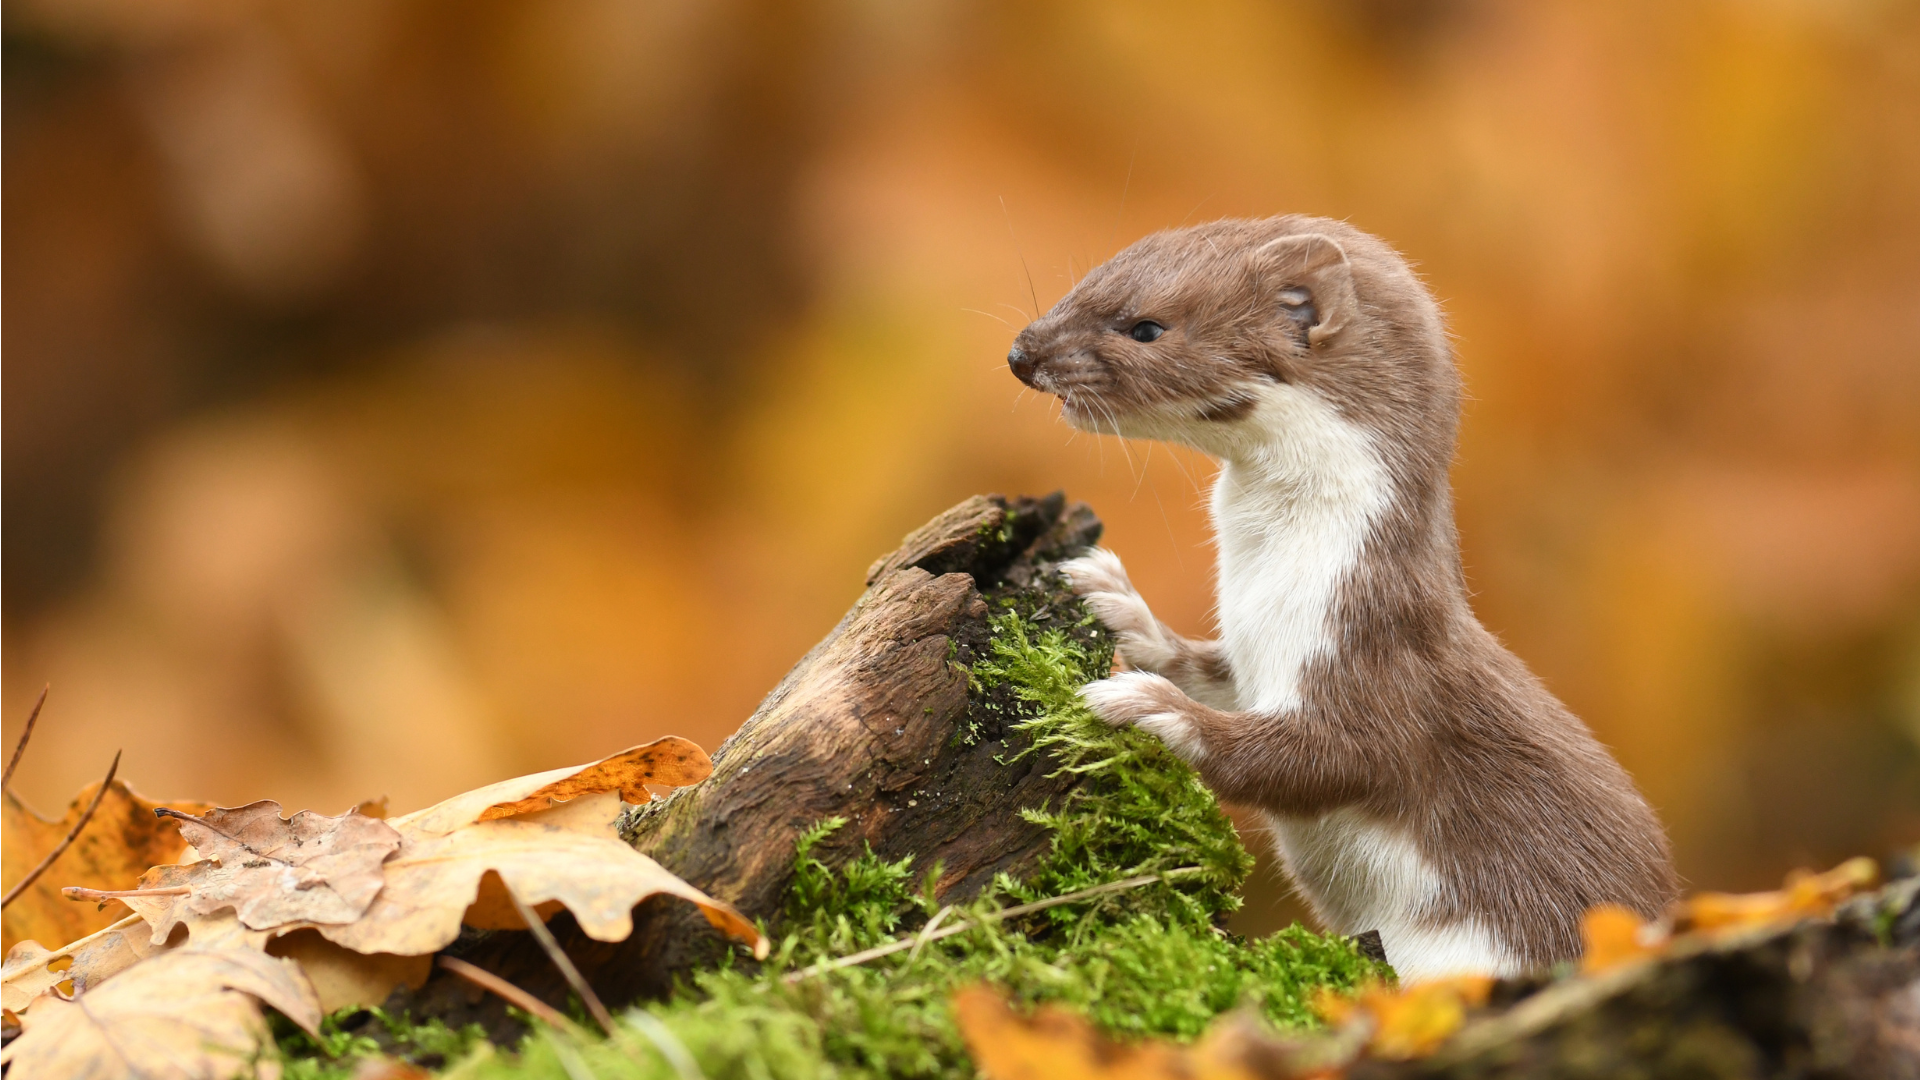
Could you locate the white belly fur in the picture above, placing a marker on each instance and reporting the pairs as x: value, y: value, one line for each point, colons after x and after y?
x: 1361, y: 875
x: 1299, y: 493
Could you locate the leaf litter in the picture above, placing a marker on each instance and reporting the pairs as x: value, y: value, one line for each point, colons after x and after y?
x: 190, y: 1013
x: 357, y: 903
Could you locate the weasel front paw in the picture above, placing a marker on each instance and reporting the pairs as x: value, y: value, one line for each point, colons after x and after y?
x: 1152, y: 704
x: 1100, y: 580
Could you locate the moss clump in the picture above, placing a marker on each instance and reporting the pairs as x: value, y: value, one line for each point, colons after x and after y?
x: 1149, y: 960
x: 349, y: 1035
x: 1138, y: 810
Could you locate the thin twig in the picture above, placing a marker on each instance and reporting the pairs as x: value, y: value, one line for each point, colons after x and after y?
x: 926, y: 932
x: 561, y: 960
x: 520, y: 999
x: 669, y: 1044
x: 6, y: 782
x: 34, y: 874
x: 922, y: 938
x: 101, y: 896
x: 72, y: 947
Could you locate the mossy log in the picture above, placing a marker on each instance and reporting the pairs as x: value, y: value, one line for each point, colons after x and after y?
x: 879, y: 724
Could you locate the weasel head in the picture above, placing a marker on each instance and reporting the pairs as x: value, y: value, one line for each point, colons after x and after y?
x: 1220, y: 336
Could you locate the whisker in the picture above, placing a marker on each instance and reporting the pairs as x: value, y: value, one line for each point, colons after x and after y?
x: 990, y: 315
x: 1114, y: 421
x: 1195, y: 210
x: 1175, y: 544
x: 1031, y: 291
x: 1146, y: 466
x: 1124, y: 188
x: 1182, y: 466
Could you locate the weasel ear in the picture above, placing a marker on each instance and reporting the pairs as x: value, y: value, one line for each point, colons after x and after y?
x: 1316, y: 263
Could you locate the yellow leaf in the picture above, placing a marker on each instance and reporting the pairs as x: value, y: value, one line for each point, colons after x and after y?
x: 1406, y: 1022
x: 189, y: 1014
x: 1057, y: 1044
x: 1806, y: 895
x: 1614, y: 936
x: 122, y: 840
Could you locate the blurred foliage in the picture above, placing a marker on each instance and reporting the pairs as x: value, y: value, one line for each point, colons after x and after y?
x: 400, y: 394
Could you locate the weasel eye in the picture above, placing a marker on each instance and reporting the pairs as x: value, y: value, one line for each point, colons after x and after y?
x: 1146, y: 330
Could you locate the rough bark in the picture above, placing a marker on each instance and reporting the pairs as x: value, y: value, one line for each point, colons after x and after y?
x: 876, y: 725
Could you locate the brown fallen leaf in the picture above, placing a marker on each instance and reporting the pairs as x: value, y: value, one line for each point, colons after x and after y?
x: 191, y: 1014
x: 671, y: 761
x: 123, y: 840
x: 1058, y: 1044
x: 567, y: 856
x: 31, y: 969
x: 342, y: 977
x: 274, y: 871
x: 108, y: 953
x: 434, y: 880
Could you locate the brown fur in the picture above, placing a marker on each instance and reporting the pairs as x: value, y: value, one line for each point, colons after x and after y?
x: 1420, y: 718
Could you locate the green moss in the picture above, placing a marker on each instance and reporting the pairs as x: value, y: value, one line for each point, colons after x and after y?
x: 1146, y: 961
x: 349, y: 1035
x: 1139, y: 809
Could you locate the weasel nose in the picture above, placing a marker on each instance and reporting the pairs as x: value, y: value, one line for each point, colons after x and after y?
x: 1022, y: 364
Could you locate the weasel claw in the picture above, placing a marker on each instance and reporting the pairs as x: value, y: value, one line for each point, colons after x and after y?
x: 1152, y: 704
x: 1098, y: 570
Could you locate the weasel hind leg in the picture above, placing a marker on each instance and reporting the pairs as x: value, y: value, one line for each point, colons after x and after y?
x: 1361, y: 874
x: 1419, y: 953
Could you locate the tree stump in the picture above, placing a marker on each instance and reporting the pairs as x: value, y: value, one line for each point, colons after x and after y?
x: 878, y: 724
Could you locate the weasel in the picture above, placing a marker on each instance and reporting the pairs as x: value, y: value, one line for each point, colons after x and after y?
x: 1418, y: 779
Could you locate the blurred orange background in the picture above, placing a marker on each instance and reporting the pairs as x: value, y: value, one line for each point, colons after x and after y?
x: 404, y: 394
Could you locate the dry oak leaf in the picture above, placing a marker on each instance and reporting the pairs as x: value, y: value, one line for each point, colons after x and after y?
x: 189, y: 1014
x: 85, y: 963
x: 25, y: 975
x: 120, y: 842
x: 273, y: 870
x: 1058, y: 1044
x: 672, y: 761
x: 342, y: 977
x: 1403, y: 1023
x: 110, y: 952
x: 434, y: 880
